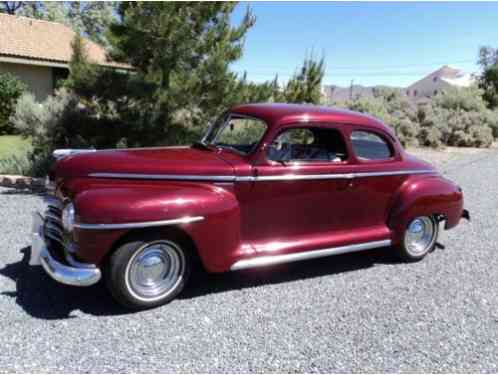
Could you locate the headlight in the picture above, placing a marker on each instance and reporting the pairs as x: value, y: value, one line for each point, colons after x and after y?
x: 68, y: 217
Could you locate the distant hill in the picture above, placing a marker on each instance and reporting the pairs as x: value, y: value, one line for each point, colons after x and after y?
x: 334, y: 93
x: 421, y: 90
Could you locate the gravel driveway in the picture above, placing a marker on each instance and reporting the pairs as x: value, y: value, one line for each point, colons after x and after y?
x: 350, y: 313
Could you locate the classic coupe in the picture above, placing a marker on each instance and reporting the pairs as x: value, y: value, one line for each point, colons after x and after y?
x: 268, y: 184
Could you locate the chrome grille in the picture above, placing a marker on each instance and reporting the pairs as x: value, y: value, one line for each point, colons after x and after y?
x: 54, y: 231
x: 53, y: 220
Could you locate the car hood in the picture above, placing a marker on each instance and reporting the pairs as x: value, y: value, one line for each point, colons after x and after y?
x: 144, y: 161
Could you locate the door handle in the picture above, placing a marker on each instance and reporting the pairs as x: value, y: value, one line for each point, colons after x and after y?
x: 349, y: 180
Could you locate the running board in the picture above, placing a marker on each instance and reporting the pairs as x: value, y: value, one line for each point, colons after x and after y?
x: 269, y: 260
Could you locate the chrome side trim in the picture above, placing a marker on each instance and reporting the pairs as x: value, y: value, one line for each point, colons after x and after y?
x: 334, y: 176
x: 162, y: 177
x: 394, y: 173
x: 143, y: 224
x: 293, y: 177
x: 288, y: 177
x: 268, y: 260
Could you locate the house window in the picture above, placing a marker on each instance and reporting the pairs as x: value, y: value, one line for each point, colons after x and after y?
x: 59, y: 75
x: 415, y: 92
x: 435, y: 92
x: 408, y: 92
x: 434, y: 79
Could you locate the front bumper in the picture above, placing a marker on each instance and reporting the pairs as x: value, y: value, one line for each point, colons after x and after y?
x: 78, y: 274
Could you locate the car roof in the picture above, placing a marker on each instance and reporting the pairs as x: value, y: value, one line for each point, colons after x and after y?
x: 276, y: 114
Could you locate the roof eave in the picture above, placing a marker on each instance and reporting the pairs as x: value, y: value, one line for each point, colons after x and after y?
x: 53, y: 63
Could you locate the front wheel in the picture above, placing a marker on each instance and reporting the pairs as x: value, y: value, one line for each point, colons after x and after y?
x: 147, y: 273
x: 419, y: 238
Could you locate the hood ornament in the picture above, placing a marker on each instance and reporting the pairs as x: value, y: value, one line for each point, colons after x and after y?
x: 63, y: 152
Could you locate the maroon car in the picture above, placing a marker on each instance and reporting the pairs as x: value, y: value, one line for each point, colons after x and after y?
x: 268, y: 184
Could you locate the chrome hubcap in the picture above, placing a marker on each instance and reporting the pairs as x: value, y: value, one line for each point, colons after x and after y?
x: 420, y: 235
x: 155, y: 270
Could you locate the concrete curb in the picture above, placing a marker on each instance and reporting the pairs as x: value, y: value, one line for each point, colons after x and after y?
x: 21, y: 182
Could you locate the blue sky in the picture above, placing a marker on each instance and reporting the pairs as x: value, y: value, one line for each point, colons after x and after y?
x: 372, y: 43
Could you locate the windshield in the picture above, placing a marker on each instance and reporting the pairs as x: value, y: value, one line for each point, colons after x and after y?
x: 235, y: 132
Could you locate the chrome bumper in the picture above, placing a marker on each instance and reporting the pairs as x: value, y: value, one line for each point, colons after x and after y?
x: 85, y: 275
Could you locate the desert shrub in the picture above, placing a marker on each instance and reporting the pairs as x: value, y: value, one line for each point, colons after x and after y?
x: 11, y: 89
x: 431, y: 137
x: 406, y: 130
x: 456, y: 117
x: 466, y: 99
x: 482, y: 136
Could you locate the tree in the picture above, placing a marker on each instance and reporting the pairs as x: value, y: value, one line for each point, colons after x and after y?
x: 305, y: 86
x: 488, y: 81
x: 91, y: 18
x: 11, y: 88
x: 11, y: 7
x: 182, y: 53
x: 80, y: 68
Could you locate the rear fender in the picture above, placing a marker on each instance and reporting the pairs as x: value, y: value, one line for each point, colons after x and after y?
x: 425, y: 196
x: 216, y: 236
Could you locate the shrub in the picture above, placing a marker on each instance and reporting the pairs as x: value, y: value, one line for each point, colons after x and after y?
x: 431, y: 137
x: 482, y: 136
x: 63, y: 121
x: 407, y: 131
x: 455, y: 117
x: 11, y: 89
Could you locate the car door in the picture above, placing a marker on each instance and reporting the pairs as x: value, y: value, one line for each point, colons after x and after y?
x: 378, y: 170
x: 300, y: 198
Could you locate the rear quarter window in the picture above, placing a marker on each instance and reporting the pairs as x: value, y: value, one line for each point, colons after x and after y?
x: 370, y: 146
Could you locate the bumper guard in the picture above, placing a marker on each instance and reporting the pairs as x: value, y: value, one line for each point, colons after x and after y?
x: 40, y: 255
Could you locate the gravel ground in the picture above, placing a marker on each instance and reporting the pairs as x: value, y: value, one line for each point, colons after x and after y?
x: 359, y: 312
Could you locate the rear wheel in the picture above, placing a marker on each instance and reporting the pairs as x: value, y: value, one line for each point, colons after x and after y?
x: 419, y: 238
x: 147, y: 273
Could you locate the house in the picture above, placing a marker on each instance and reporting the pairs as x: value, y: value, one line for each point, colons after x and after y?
x: 438, y: 81
x: 38, y: 52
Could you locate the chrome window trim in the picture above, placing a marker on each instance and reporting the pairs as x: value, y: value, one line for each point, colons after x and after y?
x: 143, y: 224
x: 287, y: 177
x: 268, y: 260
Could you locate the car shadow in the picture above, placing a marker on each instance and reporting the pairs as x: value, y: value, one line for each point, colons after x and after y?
x: 43, y: 298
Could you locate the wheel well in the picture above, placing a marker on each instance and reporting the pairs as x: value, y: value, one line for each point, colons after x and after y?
x: 170, y: 232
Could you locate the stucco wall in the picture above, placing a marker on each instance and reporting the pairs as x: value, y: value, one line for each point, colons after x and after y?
x: 38, y: 78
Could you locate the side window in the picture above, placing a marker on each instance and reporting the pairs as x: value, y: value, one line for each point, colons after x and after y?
x: 370, y: 146
x: 308, y: 145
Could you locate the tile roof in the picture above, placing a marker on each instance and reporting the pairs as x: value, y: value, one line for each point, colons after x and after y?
x: 28, y: 38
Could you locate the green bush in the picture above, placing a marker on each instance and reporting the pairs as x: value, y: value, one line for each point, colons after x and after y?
x: 11, y: 89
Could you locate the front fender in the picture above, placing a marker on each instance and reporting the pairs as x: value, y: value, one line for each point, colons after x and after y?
x: 215, y: 236
x: 425, y: 196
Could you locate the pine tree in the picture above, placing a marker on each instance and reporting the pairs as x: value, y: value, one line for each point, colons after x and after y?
x: 305, y: 85
x: 182, y: 52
